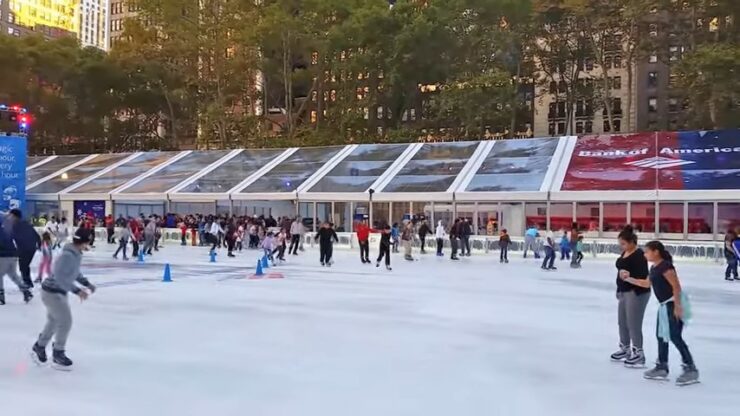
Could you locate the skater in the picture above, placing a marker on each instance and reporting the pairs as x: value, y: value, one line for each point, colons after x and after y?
x: 503, y: 243
x: 579, y: 251
x: 214, y: 229
x: 54, y: 296
x: 574, y: 238
x: 672, y: 314
x: 123, y: 243
x: 385, y: 248
x: 110, y: 228
x: 424, y: 231
x: 530, y: 237
x: 297, y: 230
x: 282, y: 241
x: 240, y: 237
x: 454, y: 239
x: 465, y: 232
x: 62, y: 235
x: 135, y: 228
x: 632, y: 300
x: 326, y: 236
x: 52, y: 227
x: 407, y: 237
x: 395, y: 234
x: 548, y: 262
x: 230, y: 238
x: 268, y: 246
x: 732, y: 254
x: 45, y: 265
x: 9, y: 257
x: 150, y: 228
x: 183, y: 233
x: 27, y: 242
x: 440, y: 235
x: 564, y: 246
x: 363, y: 238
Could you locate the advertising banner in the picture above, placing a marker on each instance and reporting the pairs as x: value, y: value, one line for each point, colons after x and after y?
x: 96, y: 209
x: 12, y: 172
x: 647, y: 161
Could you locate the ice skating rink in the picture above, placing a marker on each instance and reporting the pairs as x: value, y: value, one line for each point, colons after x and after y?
x: 431, y: 337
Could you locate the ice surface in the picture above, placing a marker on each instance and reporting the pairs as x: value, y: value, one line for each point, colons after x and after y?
x: 430, y: 338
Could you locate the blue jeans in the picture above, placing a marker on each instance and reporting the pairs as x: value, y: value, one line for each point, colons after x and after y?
x: 731, y: 268
x: 564, y: 253
x: 549, y: 260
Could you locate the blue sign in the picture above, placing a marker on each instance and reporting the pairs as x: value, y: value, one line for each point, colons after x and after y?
x: 96, y: 209
x: 12, y: 173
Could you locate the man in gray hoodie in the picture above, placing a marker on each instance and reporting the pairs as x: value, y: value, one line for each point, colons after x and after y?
x: 66, y: 273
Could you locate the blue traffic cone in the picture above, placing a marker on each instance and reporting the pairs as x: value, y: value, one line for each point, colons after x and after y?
x: 213, y: 256
x: 141, y: 257
x: 265, y: 262
x: 167, y: 278
x: 259, y: 271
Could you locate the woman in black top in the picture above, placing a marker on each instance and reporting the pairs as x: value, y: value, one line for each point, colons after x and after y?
x: 633, y: 300
x: 667, y: 289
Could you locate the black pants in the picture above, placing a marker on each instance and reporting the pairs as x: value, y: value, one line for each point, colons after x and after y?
x: 579, y: 257
x: 385, y: 251
x: 110, y: 236
x: 182, y: 240
x: 676, y: 328
x: 440, y: 246
x: 295, y: 242
x: 230, y: 244
x: 453, y: 244
x: 423, y: 239
x: 135, y: 249
x: 326, y: 251
x: 365, y: 251
x: 122, y: 246
x: 504, y: 253
x: 465, y: 245
x: 212, y: 239
x: 24, y: 263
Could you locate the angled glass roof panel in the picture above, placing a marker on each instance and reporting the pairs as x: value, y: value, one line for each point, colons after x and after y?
x: 514, y: 165
x: 176, y: 173
x: 74, y: 175
x: 293, y: 171
x: 233, y: 172
x: 122, y: 174
x: 32, y: 160
x: 59, y: 163
x: 358, y: 171
x: 434, y: 168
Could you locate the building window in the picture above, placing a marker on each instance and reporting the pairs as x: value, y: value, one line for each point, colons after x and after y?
x: 652, y: 79
x: 728, y: 217
x: 652, y: 105
x: 615, y: 216
x: 551, y: 129
x: 673, y: 54
x: 617, y: 125
x: 314, y: 116
x: 643, y: 217
x: 314, y: 58
x: 617, y: 83
x: 579, y: 127
x: 617, y: 61
x: 653, y: 29
x: 405, y: 115
x: 608, y: 62
x: 653, y: 58
x: 561, y: 109
x: 589, y: 128
x: 551, y: 110
x: 561, y: 127
x: 671, y: 218
x: 672, y: 105
x: 587, y: 216
x: 380, y: 112
x: 412, y: 114
x: 616, y: 105
x: 672, y: 80
x: 380, y: 131
x: 553, y: 87
x: 701, y: 218
x: 366, y: 113
x: 314, y: 96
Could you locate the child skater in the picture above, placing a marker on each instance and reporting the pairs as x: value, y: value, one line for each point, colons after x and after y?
x: 45, y: 266
x: 54, y: 296
x: 564, y: 246
x: 503, y: 242
x: 579, y: 251
x: 672, y: 314
x: 385, y: 248
x: 268, y: 245
x: 280, y: 249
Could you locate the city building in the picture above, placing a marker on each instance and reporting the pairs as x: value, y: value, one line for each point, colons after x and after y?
x: 50, y: 18
x: 119, y: 11
x: 93, y: 23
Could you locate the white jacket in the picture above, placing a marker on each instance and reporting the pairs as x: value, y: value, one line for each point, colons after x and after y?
x: 296, y: 228
x: 440, y: 232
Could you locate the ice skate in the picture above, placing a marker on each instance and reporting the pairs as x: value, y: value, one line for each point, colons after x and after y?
x: 689, y: 376
x: 2, y: 297
x: 377, y: 264
x: 37, y: 280
x: 622, y: 354
x: 38, y: 354
x: 409, y: 258
x: 636, y: 360
x: 388, y: 268
x: 27, y: 295
x: 659, y: 373
x: 60, y: 361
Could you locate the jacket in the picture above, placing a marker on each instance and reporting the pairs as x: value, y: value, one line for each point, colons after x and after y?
x: 736, y: 247
x: 363, y: 232
x: 424, y: 230
x: 407, y: 234
x: 25, y: 236
x: 7, y: 244
x: 326, y: 235
x: 296, y: 228
x: 440, y: 233
x: 504, y: 240
x: 65, y: 272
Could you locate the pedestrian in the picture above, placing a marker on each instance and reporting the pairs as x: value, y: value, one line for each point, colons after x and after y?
x: 454, y: 239
x: 27, y: 242
x: 45, y: 265
x: 297, y: 230
x: 530, y: 237
x: 407, y: 237
x: 326, y: 236
x: 732, y: 254
x: 123, y: 242
x: 564, y: 246
x: 673, y: 313
x: 9, y: 257
x: 549, y: 260
x: 384, y: 250
x: 465, y: 232
x: 440, y: 234
x: 363, y: 238
x: 632, y: 300
x: 395, y: 235
x: 54, y: 296
x: 503, y: 243
x: 424, y: 231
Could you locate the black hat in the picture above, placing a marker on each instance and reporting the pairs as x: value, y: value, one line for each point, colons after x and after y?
x: 16, y: 212
x: 82, y: 236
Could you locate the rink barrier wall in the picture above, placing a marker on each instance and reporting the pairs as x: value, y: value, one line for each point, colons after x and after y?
x: 596, y: 248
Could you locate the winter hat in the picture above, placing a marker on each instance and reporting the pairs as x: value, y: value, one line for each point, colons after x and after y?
x: 82, y: 236
x: 16, y: 212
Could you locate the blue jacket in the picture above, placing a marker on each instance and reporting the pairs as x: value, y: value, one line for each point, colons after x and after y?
x: 25, y: 236
x: 565, y: 242
x: 736, y: 246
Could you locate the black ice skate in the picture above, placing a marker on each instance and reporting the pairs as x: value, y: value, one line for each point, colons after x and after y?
x: 2, y: 297
x: 636, y: 360
x: 690, y: 376
x: 27, y: 295
x: 61, y: 362
x: 388, y: 268
x: 38, y: 355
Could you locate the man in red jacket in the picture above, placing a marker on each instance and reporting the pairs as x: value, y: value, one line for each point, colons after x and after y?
x: 363, y: 236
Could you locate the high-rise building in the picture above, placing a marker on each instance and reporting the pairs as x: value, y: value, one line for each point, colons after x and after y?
x: 120, y: 10
x: 51, y: 18
x: 93, y: 23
